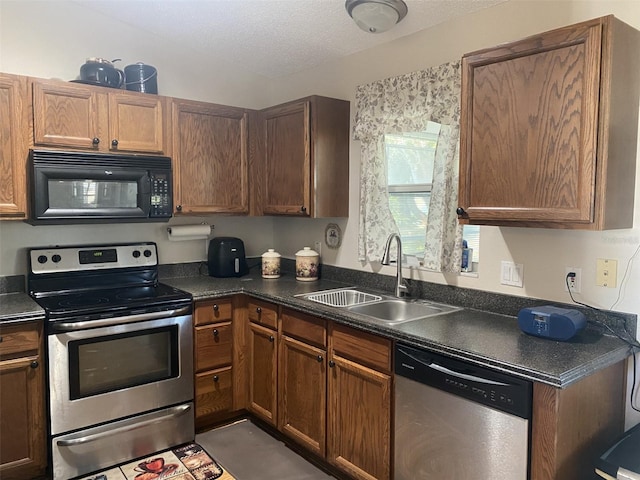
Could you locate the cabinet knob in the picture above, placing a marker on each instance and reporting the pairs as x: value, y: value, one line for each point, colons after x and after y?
x: 271, y: 338
x: 95, y: 141
x: 114, y: 143
x: 179, y: 208
x: 258, y: 310
x: 303, y: 209
x: 460, y: 211
x: 35, y: 364
x: 215, y: 307
x: 319, y: 358
x: 215, y: 332
x: 216, y: 378
x: 332, y: 363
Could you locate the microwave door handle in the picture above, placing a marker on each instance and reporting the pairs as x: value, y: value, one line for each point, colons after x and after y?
x: 108, y: 322
x: 174, y: 412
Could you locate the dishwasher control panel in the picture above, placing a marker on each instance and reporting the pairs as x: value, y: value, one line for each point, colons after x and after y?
x: 482, y: 385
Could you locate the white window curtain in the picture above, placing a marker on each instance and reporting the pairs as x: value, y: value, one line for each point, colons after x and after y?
x: 406, y: 104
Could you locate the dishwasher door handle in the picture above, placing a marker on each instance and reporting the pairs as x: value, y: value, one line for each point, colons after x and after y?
x: 464, y: 376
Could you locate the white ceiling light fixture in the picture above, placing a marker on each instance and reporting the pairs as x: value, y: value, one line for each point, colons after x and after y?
x: 376, y: 16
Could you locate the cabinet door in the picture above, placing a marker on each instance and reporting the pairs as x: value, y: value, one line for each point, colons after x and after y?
x: 210, y: 158
x: 66, y: 115
x: 529, y: 128
x: 263, y: 373
x: 22, y: 424
x: 13, y: 146
x: 302, y: 391
x: 136, y: 123
x: 359, y: 420
x: 213, y: 346
x: 287, y: 168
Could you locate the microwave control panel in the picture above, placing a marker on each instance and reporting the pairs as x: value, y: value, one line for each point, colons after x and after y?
x: 161, y: 204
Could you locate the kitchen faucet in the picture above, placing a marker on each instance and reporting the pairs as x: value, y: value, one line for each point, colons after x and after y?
x: 401, y: 288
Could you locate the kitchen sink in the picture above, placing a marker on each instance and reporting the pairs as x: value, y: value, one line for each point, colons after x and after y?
x: 394, y: 311
x: 386, y: 310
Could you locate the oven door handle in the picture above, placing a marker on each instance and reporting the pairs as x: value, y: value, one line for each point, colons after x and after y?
x: 109, y: 322
x: 174, y: 412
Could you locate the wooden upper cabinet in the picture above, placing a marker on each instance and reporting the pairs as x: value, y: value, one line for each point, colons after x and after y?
x: 210, y: 158
x: 538, y: 147
x: 305, y: 152
x: 88, y: 117
x: 14, y: 121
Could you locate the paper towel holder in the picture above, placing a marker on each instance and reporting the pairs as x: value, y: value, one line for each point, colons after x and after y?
x: 211, y: 227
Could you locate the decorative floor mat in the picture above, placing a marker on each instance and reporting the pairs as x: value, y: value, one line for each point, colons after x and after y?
x: 188, y: 462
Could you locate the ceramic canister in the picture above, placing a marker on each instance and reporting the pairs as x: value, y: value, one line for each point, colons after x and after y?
x: 307, y: 263
x: 271, y: 264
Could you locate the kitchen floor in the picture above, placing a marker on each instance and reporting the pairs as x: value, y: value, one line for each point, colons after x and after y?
x: 248, y: 453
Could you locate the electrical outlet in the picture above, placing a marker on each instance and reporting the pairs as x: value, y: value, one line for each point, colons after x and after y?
x: 317, y: 246
x: 606, y: 272
x: 574, y: 282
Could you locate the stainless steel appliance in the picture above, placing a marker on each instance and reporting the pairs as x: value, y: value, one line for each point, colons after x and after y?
x: 119, y: 352
x: 454, y: 420
x: 88, y: 187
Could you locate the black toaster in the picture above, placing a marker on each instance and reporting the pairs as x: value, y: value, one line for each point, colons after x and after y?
x: 227, y: 257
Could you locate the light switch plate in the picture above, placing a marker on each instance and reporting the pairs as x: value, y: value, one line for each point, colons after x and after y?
x: 511, y: 274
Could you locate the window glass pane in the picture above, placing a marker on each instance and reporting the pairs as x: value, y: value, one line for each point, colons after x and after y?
x: 471, y: 233
x: 410, y: 213
x: 410, y: 157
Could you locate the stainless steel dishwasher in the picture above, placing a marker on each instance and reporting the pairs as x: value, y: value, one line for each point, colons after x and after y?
x: 457, y: 421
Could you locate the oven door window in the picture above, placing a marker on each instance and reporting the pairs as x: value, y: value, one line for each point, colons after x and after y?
x: 114, y: 362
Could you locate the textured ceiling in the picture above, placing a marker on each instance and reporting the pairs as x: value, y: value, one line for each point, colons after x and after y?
x: 272, y: 37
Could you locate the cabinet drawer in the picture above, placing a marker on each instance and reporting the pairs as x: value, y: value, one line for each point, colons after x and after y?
x: 362, y: 347
x: 214, y: 392
x: 263, y: 313
x: 210, y: 311
x: 213, y: 346
x: 305, y: 327
x: 19, y: 338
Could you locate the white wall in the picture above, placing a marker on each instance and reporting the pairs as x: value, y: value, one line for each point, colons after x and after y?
x: 52, y: 39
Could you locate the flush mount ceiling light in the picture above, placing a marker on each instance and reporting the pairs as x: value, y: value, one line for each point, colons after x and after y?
x: 376, y: 16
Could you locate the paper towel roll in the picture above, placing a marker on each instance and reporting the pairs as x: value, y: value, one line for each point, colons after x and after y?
x: 180, y: 233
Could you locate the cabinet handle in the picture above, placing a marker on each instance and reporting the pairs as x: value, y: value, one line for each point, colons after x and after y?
x: 35, y: 364
x: 215, y: 307
x: 332, y: 363
x: 258, y: 310
x: 460, y: 211
x: 114, y: 143
x: 0, y: 339
x: 216, y: 378
x: 179, y: 208
x: 319, y: 358
x: 271, y: 338
x: 95, y: 141
x: 215, y: 332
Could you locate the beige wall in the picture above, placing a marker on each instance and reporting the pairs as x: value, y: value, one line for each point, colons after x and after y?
x: 52, y: 39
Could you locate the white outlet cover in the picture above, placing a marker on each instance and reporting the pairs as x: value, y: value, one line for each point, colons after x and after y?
x: 512, y: 274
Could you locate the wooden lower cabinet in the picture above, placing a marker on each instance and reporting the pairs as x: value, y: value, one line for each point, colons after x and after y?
x: 302, y: 392
x: 214, y: 392
x: 263, y: 368
x: 22, y: 418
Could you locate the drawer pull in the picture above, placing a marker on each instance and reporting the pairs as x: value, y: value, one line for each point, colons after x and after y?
x: 319, y: 358
x: 216, y: 378
x: 215, y: 307
x: 258, y: 310
x: 271, y: 338
x: 332, y: 363
x: 215, y: 332
x: 35, y: 364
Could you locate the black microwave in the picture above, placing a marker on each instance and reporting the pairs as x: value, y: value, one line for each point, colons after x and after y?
x: 87, y: 187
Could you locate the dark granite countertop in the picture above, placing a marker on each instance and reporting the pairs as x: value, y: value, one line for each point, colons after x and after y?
x: 19, y: 307
x: 480, y: 337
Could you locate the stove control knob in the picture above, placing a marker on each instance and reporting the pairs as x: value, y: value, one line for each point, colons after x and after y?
x: 42, y: 259
x: 136, y: 253
x: 147, y: 253
x: 56, y: 258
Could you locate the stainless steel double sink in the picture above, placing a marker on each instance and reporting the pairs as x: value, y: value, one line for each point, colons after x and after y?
x: 381, y: 309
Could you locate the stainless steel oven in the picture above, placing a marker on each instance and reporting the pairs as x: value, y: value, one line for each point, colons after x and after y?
x: 120, y: 355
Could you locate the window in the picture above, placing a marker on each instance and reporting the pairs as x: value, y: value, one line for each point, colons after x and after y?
x: 410, y: 159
